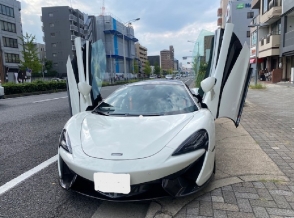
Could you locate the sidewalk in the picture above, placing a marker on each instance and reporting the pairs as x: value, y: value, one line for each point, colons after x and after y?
x: 265, y: 140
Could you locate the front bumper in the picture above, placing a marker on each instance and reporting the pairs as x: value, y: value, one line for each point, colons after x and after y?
x: 180, y: 183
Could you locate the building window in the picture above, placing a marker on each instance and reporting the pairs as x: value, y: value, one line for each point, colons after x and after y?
x: 51, y: 24
x: 6, y: 26
x: 253, y: 38
x: 276, y: 28
x: 54, y: 45
x: 250, y: 14
x: 265, y: 6
x: 248, y: 34
x: 52, y: 34
x: 9, y: 42
x: 54, y: 54
x: 11, y: 58
x: 55, y: 64
x: 50, y: 14
x: 8, y: 11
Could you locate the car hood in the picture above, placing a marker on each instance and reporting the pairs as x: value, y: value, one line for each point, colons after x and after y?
x: 125, y: 138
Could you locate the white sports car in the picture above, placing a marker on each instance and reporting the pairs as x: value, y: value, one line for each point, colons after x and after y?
x: 148, y: 139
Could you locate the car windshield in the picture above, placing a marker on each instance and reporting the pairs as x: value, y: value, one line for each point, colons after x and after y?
x: 148, y: 100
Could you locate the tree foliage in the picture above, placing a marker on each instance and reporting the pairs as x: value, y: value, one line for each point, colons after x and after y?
x: 201, y: 74
x: 30, y: 54
x: 136, y: 67
x: 147, y: 68
x: 156, y: 69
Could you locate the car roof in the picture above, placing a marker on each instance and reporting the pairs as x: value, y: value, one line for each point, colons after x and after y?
x: 157, y: 82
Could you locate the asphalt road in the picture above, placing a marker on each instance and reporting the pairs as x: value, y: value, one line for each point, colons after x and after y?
x: 29, y: 131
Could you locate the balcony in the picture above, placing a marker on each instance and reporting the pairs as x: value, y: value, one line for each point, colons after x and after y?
x: 43, y: 28
x: 269, y: 46
x: 74, y: 28
x: 73, y: 18
x: 273, y: 14
x: 43, y: 38
x: 73, y: 47
x: 255, y: 20
x: 219, y: 12
x: 72, y: 37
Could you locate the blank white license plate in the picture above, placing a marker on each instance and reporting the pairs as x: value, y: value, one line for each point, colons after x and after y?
x: 114, y: 183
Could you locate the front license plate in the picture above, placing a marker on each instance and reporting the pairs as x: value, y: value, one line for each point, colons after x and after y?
x: 114, y: 183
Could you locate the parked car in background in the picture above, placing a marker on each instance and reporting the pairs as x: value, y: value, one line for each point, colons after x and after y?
x: 169, y: 76
x: 1, y: 91
x: 153, y: 77
x: 57, y: 79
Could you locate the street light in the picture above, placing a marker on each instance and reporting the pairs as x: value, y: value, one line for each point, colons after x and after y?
x: 125, y: 66
x: 257, y: 45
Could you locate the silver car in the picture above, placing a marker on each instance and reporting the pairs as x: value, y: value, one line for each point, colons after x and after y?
x: 169, y: 77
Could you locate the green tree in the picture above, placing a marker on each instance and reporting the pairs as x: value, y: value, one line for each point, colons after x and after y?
x: 195, y: 64
x: 147, y: 69
x: 48, y: 65
x: 136, y: 67
x: 29, y: 52
x: 156, y: 69
x: 201, y: 74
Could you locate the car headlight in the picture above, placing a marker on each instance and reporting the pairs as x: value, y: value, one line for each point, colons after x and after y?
x: 196, y: 141
x: 64, y: 141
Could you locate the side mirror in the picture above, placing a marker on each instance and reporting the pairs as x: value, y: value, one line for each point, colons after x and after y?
x: 84, y: 88
x: 208, y: 84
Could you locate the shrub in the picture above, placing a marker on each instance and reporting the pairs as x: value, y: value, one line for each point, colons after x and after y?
x: 35, y: 86
x: 257, y: 86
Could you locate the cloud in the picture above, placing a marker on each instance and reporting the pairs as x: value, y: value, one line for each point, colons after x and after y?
x: 162, y: 23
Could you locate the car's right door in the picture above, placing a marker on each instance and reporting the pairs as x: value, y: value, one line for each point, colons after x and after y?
x: 229, y: 65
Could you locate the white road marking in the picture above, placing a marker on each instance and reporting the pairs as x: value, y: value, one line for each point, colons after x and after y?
x: 51, y: 99
x: 12, y: 183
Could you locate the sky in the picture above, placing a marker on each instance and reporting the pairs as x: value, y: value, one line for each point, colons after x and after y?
x: 162, y: 22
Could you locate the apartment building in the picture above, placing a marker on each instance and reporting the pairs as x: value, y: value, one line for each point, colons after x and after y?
x: 267, y: 44
x: 287, y: 40
x: 61, y: 25
x: 119, y: 41
x: 141, y: 54
x: 154, y: 60
x: 167, y: 59
x: 41, y: 51
x: 11, y: 30
x: 221, y: 13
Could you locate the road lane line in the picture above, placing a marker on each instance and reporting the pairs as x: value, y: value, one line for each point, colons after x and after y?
x: 50, y: 99
x: 12, y: 183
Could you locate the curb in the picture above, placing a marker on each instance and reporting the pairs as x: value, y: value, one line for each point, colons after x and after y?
x: 33, y: 93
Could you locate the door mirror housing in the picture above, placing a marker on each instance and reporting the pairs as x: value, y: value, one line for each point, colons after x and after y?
x: 84, y: 88
x: 208, y: 84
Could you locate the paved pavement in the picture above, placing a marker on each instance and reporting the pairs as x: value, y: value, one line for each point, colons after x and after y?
x: 269, y: 119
